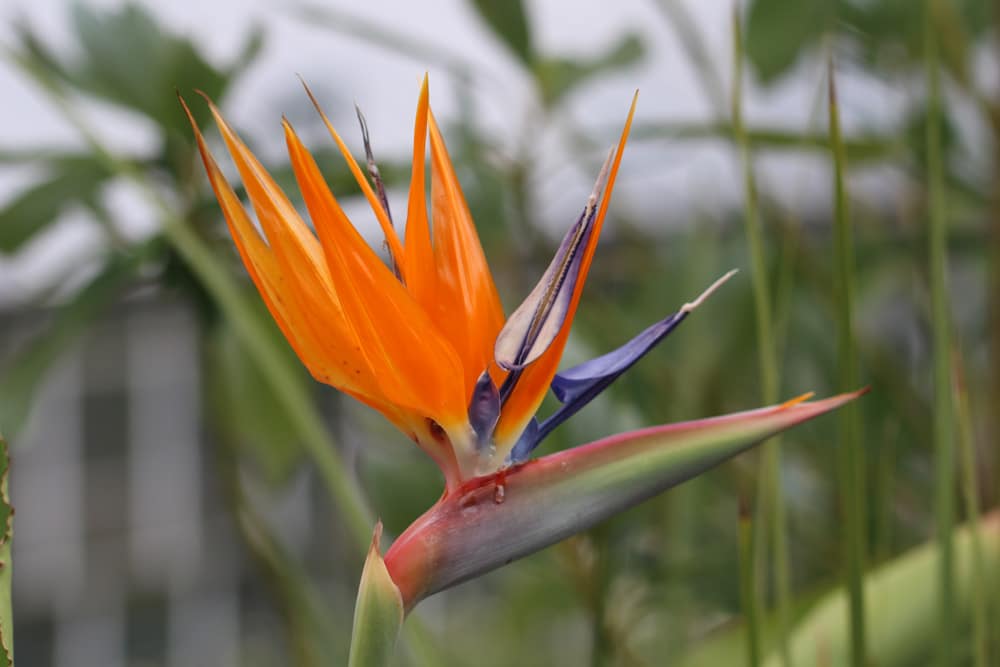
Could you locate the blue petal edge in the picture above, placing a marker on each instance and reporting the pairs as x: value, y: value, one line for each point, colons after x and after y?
x: 579, y: 385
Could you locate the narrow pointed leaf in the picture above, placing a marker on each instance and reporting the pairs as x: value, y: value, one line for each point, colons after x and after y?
x: 495, y: 519
x: 378, y: 614
x: 6, y: 535
x: 903, y: 612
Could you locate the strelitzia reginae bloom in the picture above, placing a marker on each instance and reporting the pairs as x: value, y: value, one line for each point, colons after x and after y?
x: 423, y: 339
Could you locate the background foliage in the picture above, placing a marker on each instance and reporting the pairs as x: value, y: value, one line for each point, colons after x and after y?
x: 664, y: 579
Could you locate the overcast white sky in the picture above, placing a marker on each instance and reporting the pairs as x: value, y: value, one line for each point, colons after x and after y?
x: 385, y: 84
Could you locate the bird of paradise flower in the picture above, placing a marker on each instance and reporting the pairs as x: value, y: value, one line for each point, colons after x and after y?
x: 422, y: 338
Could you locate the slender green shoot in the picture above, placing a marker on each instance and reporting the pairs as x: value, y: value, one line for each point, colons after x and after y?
x: 852, y: 482
x: 770, y: 487
x: 748, y: 584
x: 944, y: 457
x: 970, y: 486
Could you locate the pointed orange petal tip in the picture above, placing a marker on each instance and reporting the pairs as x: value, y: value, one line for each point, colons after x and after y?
x: 391, y: 238
x: 798, y: 399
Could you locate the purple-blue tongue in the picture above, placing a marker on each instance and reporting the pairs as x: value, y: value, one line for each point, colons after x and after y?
x: 577, y: 386
x: 531, y: 328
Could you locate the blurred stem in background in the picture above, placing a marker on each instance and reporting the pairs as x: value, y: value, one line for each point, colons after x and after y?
x: 970, y: 486
x: 771, y: 519
x: 944, y: 466
x: 749, y: 596
x: 993, y: 288
x: 852, y: 478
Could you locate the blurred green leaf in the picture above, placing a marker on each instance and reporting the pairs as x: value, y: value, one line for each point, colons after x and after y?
x: 71, y: 179
x: 129, y: 61
x: 243, y: 404
x: 557, y: 76
x: 903, y: 611
x: 887, y: 34
x: 126, y: 59
x: 20, y: 380
x: 777, y: 31
x: 509, y: 22
x: 6, y: 537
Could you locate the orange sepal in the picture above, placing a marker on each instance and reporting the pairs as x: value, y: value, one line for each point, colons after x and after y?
x: 414, y: 366
x: 391, y: 238
x: 536, y: 378
x: 468, y: 302
x: 328, y: 359
x: 419, y: 258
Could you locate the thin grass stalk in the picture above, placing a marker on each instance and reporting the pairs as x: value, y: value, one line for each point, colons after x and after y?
x: 851, y: 478
x: 944, y: 465
x: 748, y: 584
x: 993, y: 293
x: 770, y: 486
x: 970, y: 486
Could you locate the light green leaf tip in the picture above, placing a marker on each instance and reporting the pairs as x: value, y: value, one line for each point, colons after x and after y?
x: 6, y: 535
x: 902, y: 611
x: 378, y: 614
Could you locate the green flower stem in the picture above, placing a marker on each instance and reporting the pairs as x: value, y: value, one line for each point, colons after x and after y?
x: 944, y: 465
x: 748, y: 585
x: 770, y: 489
x: 852, y: 484
x: 970, y: 485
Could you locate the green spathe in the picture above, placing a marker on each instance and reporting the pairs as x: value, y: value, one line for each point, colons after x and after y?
x: 378, y: 614
x: 493, y: 520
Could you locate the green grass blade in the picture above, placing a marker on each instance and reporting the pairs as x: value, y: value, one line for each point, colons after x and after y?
x: 770, y: 488
x: 970, y: 486
x: 852, y: 483
x: 944, y: 466
x: 748, y: 584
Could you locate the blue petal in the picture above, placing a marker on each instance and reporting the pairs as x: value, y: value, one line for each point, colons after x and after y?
x: 577, y: 386
x: 525, y: 444
x: 532, y: 327
x: 484, y: 408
